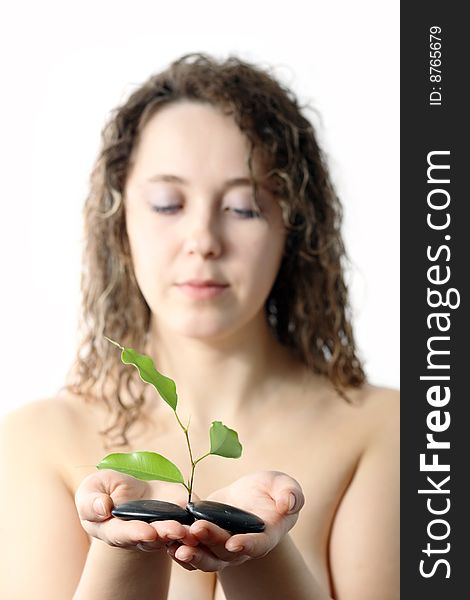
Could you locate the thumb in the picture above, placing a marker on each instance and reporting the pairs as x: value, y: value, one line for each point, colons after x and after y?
x: 95, y: 508
x: 102, y: 506
x: 289, y: 501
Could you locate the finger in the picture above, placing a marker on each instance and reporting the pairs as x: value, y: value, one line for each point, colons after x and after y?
x: 289, y: 501
x: 212, y: 537
x: 94, y: 507
x: 209, y: 533
x: 150, y: 546
x: 287, y: 494
x: 170, y: 531
x: 117, y: 532
x: 105, y: 488
x: 253, y: 545
x: 171, y: 550
x: 199, y: 558
x: 107, y: 481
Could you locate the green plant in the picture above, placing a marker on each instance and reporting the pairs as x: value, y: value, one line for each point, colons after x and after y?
x: 150, y: 465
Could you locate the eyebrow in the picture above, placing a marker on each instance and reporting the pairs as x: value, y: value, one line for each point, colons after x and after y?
x: 230, y: 183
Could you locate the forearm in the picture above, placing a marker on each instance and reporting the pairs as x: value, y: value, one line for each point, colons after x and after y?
x: 127, y: 574
x: 281, y: 574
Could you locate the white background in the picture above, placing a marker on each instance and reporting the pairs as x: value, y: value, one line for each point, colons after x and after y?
x: 65, y: 65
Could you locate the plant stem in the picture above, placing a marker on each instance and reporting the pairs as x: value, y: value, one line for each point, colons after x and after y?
x: 193, y: 467
x: 191, y: 481
x: 193, y: 464
x: 201, y: 457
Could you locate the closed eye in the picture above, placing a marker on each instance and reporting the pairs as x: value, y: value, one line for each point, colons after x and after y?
x: 166, y: 210
x: 247, y: 213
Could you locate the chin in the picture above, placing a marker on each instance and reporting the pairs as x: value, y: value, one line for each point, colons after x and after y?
x: 206, y: 329
x: 206, y: 333
x: 209, y: 325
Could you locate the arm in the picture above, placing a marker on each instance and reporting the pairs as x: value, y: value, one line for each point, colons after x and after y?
x: 127, y: 559
x: 278, y: 570
x: 43, y: 545
x: 112, y: 572
x: 364, y: 542
x: 281, y: 574
x: 46, y: 553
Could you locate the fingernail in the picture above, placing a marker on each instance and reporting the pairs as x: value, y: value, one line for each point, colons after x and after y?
x: 291, y: 502
x: 148, y: 545
x: 237, y: 548
x: 188, y: 558
x: 98, y: 507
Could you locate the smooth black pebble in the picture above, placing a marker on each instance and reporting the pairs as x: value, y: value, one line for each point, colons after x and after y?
x: 152, y: 510
x: 228, y: 517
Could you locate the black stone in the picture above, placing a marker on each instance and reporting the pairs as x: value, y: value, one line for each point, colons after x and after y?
x: 152, y: 510
x: 230, y: 518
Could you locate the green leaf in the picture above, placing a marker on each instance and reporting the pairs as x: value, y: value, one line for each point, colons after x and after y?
x: 224, y: 441
x: 165, y: 386
x: 143, y: 465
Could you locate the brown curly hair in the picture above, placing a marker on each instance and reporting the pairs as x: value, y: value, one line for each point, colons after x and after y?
x: 307, y: 308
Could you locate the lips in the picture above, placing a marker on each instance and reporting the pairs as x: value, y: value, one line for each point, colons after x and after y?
x: 202, y: 289
x: 203, y: 283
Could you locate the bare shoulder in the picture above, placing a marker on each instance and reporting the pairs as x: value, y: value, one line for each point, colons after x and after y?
x: 370, y: 408
x: 383, y: 399
x: 377, y: 420
x: 50, y: 431
x: 364, y: 412
x: 36, y: 421
x: 367, y: 517
x: 380, y: 408
x: 35, y: 484
x: 350, y: 421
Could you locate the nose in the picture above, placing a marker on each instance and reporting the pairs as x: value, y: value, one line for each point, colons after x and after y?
x: 203, y: 236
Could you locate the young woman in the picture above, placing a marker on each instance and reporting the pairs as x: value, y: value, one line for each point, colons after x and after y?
x: 213, y: 245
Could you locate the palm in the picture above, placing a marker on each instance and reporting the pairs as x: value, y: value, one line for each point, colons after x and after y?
x: 262, y: 494
x: 111, y: 489
x: 266, y: 494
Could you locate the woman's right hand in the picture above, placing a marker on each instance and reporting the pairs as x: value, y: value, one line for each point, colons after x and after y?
x: 100, y: 492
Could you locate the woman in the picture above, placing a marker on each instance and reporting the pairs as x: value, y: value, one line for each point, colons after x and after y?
x: 213, y: 245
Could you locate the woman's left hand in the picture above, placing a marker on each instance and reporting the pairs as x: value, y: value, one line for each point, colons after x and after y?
x: 271, y: 495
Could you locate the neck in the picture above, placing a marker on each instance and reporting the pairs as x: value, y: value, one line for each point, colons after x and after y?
x: 218, y: 378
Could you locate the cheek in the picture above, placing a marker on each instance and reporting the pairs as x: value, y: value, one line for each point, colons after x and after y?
x: 150, y: 250
x: 264, y: 256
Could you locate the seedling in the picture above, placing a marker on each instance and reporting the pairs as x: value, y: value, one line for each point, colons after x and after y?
x: 152, y: 466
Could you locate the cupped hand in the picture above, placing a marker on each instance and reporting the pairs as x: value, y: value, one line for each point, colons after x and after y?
x: 271, y: 495
x: 100, y: 492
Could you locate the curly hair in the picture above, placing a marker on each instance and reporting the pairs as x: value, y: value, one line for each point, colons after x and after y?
x: 307, y: 307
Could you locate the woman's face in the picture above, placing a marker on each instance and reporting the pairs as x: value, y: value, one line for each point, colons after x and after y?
x: 204, y: 256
